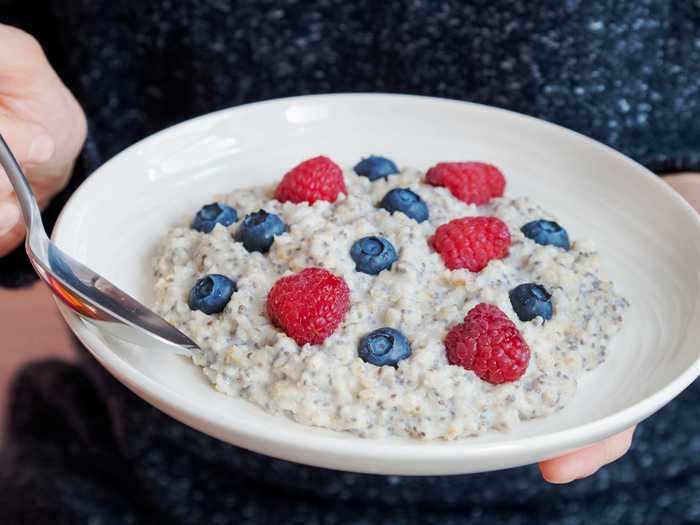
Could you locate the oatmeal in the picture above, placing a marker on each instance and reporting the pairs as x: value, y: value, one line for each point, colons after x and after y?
x: 328, y: 385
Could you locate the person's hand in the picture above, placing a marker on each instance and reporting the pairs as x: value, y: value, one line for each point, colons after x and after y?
x: 42, y: 123
x: 587, y: 461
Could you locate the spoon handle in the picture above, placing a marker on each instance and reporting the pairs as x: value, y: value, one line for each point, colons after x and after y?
x: 87, y: 293
x: 25, y: 195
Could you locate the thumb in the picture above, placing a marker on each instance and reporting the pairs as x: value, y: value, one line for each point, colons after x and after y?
x: 11, y: 225
x: 30, y: 143
x: 32, y: 146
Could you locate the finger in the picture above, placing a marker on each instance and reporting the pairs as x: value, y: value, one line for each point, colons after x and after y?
x: 587, y: 461
x: 29, y: 141
x: 30, y: 144
x: 11, y: 227
x: 31, y: 90
x: 21, y: 56
x: 688, y: 185
x: 5, y: 186
x: 40, y: 186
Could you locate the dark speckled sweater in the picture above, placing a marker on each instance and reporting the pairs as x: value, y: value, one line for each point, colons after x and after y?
x: 81, y: 449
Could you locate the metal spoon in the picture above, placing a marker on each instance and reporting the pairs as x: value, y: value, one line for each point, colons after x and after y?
x: 88, y: 294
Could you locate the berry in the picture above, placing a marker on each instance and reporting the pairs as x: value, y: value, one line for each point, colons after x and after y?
x: 258, y: 230
x: 531, y: 300
x: 317, y: 179
x: 546, y: 233
x: 489, y: 344
x: 407, y: 202
x: 384, y: 347
x: 308, y: 306
x: 211, y: 293
x: 374, y: 168
x: 211, y: 215
x: 471, y: 242
x: 471, y: 182
x: 372, y: 255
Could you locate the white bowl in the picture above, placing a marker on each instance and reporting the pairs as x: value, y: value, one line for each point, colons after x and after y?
x: 648, y: 236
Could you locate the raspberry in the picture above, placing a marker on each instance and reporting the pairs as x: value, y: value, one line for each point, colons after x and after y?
x: 471, y: 242
x: 309, y: 306
x: 489, y: 344
x: 317, y: 179
x: 471, y: 182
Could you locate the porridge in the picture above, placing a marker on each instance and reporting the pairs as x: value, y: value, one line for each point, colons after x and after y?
x: 402, y: 269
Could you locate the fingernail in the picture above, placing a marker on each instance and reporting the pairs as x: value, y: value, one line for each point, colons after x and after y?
x: 9, y: 216
x: 562, y: 481
x: 41, y: 149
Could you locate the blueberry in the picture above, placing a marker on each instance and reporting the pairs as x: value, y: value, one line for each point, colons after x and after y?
x: 384, y: 346
x: 211, y: 293
x: 374, y: 167
x: 258, y: 230
x: 372, y: 255
x: 407, y: 202
x: 211, y: 215
x: 546, y: 232
x: 531, y: 300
